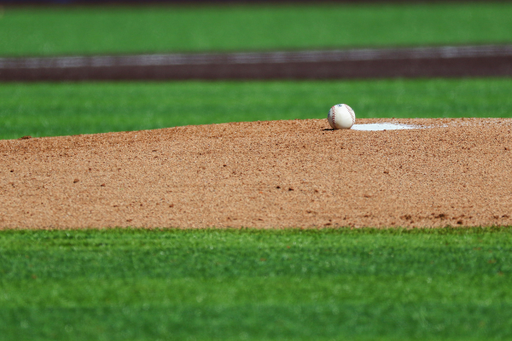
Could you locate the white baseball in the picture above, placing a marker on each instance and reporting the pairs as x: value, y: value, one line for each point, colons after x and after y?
x: 341, y: 116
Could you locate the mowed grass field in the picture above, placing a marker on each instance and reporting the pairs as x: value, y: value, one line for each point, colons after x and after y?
x: 46, y: 109
x: 126, y: 284
x: 439, y: 284
x: 96, y: 30
x: 49, y: 109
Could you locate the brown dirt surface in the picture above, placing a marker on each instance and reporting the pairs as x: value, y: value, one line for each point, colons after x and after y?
x: 434, y: 61
x: 277, y: 174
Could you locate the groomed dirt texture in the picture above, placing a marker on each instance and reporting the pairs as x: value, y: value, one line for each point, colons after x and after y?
x: 453, y: 172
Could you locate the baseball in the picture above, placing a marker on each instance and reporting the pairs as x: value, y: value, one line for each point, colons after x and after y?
x: 341, y: 116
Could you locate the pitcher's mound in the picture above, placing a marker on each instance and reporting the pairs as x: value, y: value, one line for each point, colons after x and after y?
x: 444, y: 172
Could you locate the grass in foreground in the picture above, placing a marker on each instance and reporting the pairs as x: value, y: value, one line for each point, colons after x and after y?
x: 49, y: 109
x: 442, y: 284
x: 93, y: 30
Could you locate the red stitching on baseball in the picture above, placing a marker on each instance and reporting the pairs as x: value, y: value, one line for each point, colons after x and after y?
x: 352, y: 114
x: 333, y: 116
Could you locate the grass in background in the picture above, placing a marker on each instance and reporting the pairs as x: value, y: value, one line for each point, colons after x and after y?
x: 46, y: 109
x: 439, y: 284
x: 97, y: 30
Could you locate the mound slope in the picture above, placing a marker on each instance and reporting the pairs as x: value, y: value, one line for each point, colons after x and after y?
x: 263, y: 174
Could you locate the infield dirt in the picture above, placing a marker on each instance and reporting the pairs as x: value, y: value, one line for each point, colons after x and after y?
x: 452, y: 172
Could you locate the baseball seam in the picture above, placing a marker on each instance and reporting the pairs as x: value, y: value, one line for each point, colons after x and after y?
x: 352, y: 114
x: 333, y: 117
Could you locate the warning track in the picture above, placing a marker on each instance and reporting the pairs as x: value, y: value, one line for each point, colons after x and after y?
x: 444, y: 61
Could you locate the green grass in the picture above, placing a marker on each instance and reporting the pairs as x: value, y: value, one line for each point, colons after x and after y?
x: 93, y: 30
x: 45, y: 109
x: 441, y: 284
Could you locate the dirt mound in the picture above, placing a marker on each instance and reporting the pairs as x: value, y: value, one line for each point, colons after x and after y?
x: 455, y: 172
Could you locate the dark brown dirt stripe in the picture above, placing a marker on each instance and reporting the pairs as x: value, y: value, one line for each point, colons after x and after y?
x: 446, y: 61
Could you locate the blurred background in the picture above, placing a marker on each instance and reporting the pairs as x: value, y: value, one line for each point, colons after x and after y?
x: 95, y: 66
